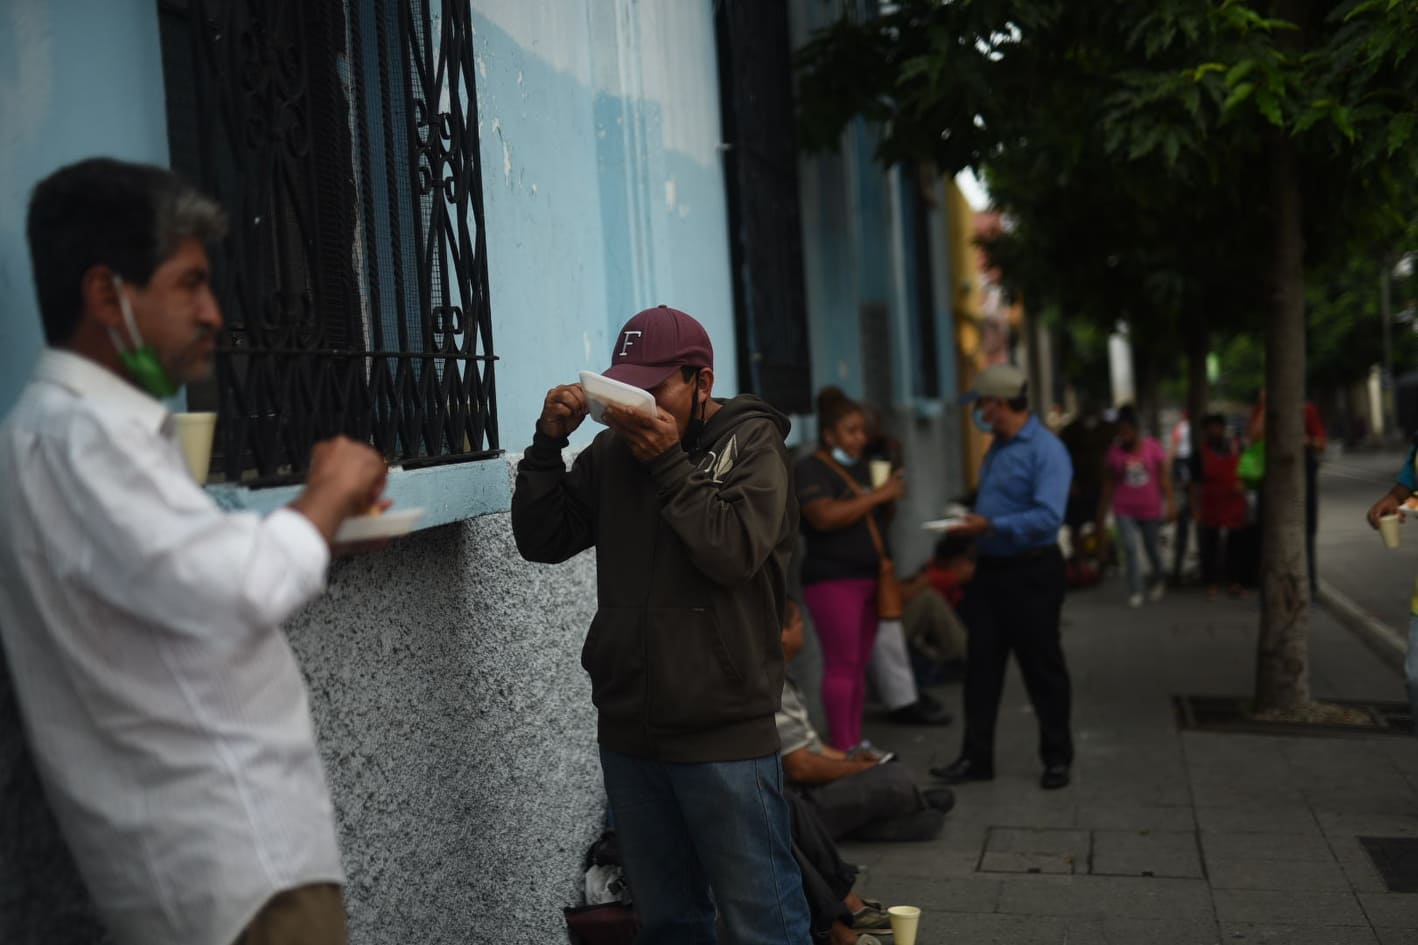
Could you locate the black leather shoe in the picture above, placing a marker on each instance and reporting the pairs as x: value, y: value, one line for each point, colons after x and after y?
x: 1054, y: 777
x: 921, y: 712
x: 961, y: 770
x: 940, y: 798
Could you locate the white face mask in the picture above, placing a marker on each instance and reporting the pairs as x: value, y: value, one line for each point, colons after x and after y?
x: 843, y: 457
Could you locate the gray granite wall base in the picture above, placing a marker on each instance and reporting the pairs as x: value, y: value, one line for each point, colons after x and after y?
x: 458, y: 736
x: 42, y: 898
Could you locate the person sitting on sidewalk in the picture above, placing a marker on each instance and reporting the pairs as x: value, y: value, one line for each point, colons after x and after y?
x: 839, y: 915
x: 858, y: 794
x: 1392, y: 504
x: 934, y: 633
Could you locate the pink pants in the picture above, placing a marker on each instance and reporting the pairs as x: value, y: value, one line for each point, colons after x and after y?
x: 844, y: 613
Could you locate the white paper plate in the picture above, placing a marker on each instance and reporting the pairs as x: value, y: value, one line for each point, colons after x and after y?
x: 943, y: 524
x: 391, y: 524
x: 601, y: 390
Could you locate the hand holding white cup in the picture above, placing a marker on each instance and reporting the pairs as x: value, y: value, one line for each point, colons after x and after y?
x: 1388, y: 529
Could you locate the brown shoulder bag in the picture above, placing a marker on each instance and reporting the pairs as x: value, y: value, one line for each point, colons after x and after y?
x: 888, y: 589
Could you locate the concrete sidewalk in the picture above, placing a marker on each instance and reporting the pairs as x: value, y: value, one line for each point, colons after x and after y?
x: 1165, y: 837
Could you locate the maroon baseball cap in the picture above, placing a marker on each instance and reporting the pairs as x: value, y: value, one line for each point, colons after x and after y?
x: 657, y: 342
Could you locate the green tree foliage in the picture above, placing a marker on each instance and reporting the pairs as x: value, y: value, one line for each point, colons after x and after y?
x: 1181, y: 162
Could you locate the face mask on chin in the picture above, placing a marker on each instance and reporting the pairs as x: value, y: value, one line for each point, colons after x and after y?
x: 141, y: 361
x: 842, y: 457
x: 978, y: 417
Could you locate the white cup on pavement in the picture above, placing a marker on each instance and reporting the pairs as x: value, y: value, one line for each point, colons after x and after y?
x: 904, y: 922
x: 194, y: 435
x: 1388, y: 529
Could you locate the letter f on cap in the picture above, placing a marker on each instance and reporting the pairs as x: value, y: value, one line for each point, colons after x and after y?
x: 627, y: 342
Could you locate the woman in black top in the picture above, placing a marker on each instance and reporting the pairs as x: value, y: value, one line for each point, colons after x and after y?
x: 841, y: 564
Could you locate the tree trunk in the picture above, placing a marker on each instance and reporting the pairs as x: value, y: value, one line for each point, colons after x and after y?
x: 1198, y: 343
x: 1282, y: 663
x: 1145, y: 385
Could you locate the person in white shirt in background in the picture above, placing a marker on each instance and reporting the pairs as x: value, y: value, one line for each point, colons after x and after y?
x: 165, y: 710
x: 1179, y: 449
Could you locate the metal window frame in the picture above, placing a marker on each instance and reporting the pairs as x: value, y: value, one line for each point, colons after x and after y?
x: 342, y: 137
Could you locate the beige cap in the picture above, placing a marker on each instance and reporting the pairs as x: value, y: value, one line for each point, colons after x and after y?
x: 1000, y: 380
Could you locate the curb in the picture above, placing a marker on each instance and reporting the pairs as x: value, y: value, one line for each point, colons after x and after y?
x: 1388, y: 644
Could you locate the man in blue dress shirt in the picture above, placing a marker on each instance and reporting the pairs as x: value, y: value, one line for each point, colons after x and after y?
x: 1013, y: 605
x: 1392, y: 504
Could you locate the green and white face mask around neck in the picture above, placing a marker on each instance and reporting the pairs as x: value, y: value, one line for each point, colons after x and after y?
x: 141, y: 360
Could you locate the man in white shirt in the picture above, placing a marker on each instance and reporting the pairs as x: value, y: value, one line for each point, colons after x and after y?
x: 166, y: 713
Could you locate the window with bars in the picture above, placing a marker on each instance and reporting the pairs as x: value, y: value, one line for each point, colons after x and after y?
x: 341, y: 137
x: 761, y: 183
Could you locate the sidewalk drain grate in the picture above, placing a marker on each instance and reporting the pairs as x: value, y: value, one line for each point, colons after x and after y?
x: 1396, y: 859
x: 1231, y: 714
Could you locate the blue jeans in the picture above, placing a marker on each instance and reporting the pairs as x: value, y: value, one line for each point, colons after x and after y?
x: 1411, y: 666
x: 696, y: 835
x: 1130, y: 532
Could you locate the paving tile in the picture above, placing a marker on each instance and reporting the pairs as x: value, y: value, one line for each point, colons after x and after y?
x: 1133, y: 793
x: 1340, y: 800
x: 1348, y: 823
x: 1335, y: 757
x: 1146, y: 853
x: 1390, y: 910
x: 1103, y: 897
x: 979, y: 929
x: 1397, y: 936
x: 1049, y: 864
x: 1297, y: 935
x: 1015, y: 815
x: 1218, y: 749
x: 1243, y: 793
x: 956, y: 894
x: 960, y: 833
x: 1266, y: 846
x: 1136, y: 817
x: 1014, y: 850
x: 1292, y: 819
x: 1357, y: 865
x: 1143, y: 932
x: 1290, y: 907
x: 1320, y: 875
x: 1403, y: 752
x: 914, y: 859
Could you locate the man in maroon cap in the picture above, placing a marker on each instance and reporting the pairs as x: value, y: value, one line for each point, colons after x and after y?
x: 693, y: 521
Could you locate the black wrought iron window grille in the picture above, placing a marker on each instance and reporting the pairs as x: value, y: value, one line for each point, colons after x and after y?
x: 342, y: 138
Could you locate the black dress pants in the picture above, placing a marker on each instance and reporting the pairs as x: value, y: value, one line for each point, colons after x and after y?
x: 1221, y: 555
x: 1013, y: 606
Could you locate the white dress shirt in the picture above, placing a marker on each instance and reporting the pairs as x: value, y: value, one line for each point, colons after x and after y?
x: 166, y: 713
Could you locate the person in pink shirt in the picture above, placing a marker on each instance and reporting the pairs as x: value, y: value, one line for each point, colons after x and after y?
x: 1138, y: 486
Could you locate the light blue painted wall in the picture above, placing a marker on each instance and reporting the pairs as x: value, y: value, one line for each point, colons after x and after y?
x: 77, y: 79
x: 604, y: 189
x: 602, y: 178
x: 858, y: 251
